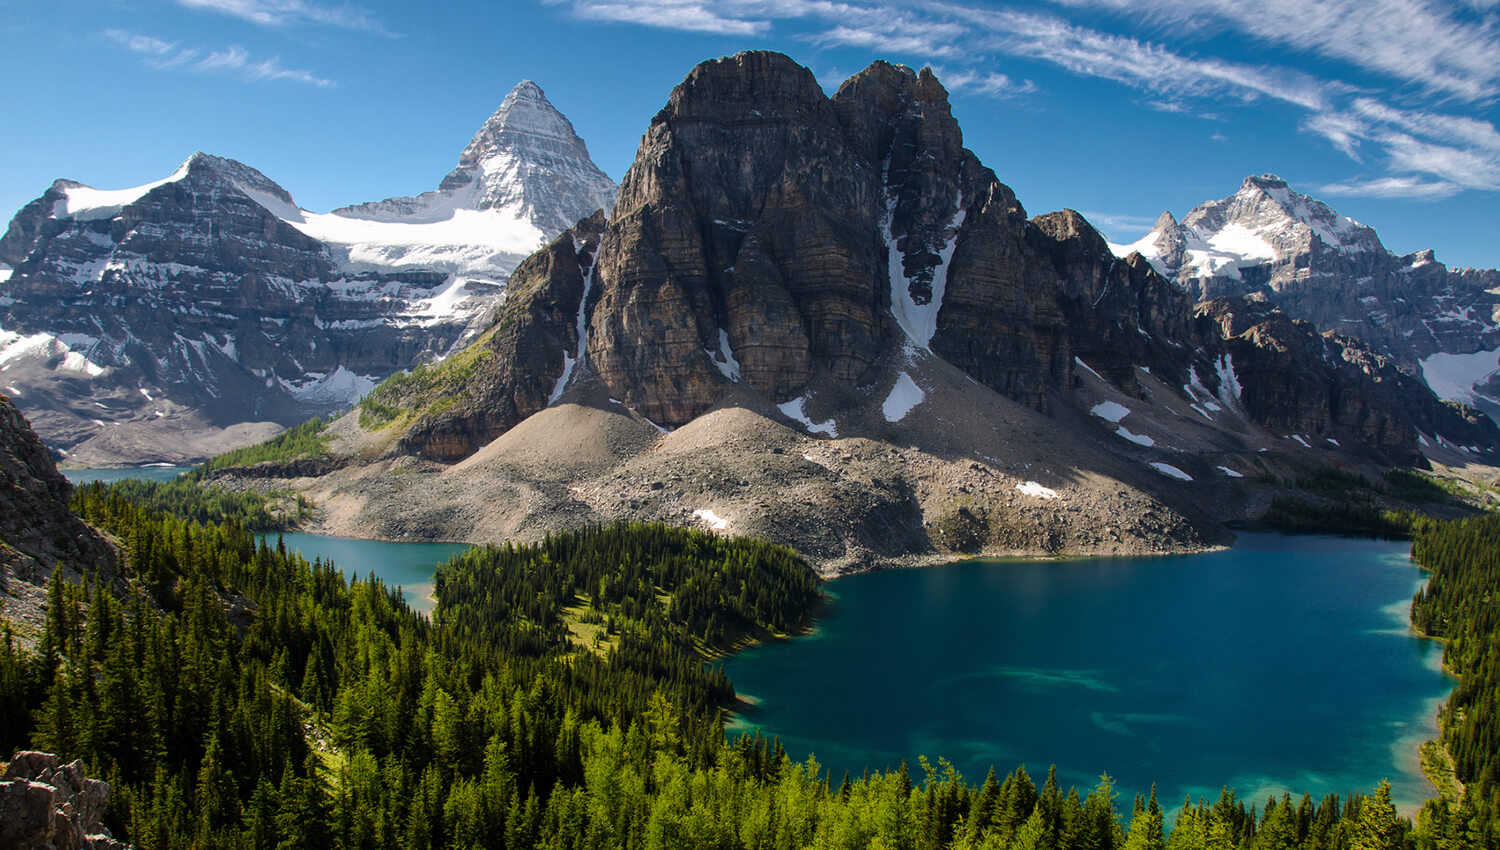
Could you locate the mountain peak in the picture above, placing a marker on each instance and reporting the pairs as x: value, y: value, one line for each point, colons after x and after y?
x: 1263, y: 182
x: 524, y: 119
x: 241, y: 175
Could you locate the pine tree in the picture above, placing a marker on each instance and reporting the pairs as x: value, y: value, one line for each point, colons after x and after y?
x: 1377, y: 827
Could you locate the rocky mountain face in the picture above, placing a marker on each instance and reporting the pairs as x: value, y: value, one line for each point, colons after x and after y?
x: 38, y: 532
x: 174, y: 320
x: 767, y: 234
x: 842, y: 269
x: 1268, y: 240
x: 45, y: 805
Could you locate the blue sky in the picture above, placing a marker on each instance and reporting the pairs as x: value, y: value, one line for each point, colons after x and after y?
x: 1386, y: 109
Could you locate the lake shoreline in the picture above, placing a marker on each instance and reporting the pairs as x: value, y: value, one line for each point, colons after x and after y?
x: 838, y: 749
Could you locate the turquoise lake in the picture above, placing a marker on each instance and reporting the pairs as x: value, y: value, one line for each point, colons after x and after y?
x: 409, y: 565
x: 1284, y: 663
x: 110, y: 476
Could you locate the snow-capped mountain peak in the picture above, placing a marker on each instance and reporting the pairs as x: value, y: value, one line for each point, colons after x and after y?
x: 248, y: 180
x: 1267, y: 206
x: 525, y: 119
x: 1264, y: 221
x: 212, y: 289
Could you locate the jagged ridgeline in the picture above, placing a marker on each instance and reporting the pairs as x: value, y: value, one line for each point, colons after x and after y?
x: 768, y: 234
x: 825, y: 322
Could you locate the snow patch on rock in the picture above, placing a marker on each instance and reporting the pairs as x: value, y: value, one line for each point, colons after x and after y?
x: 793, y: 410
x: 919, y: 321
x: 1032, y: 488
x: 723, y: 359
x: 1170, y: 471
x: 904, y: 396
x: 711, y: 519
x: 1110, y: 411
x: 1453, y: 377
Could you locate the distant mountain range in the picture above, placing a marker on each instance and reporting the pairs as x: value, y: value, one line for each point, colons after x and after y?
x: 824, y: 321
x: 177, y: 319
x: 1269, y: 241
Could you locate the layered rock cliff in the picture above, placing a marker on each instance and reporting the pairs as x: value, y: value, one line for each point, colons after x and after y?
x: 768, y: 234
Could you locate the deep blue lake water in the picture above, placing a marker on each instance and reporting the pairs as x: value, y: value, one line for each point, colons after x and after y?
x: 1284, y: 663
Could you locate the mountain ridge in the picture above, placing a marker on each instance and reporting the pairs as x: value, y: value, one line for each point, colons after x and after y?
x: 1268, y: 240
x: 822, y: 320
x: 175, y: 320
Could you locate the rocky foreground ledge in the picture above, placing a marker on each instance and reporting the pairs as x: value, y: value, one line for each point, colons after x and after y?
x: 47, y: 805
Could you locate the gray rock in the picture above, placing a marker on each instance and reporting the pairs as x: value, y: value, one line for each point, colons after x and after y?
x: 47, y: 806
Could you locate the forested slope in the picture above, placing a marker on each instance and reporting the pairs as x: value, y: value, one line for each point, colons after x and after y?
x: 238, y: 696
x: 1461, y: 605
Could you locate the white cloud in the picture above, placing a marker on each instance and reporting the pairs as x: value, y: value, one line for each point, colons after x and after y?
x: 1415, y: 41
x: 987, y: 83
x: 280, y: 13
x: 233, y: 60
x: 1446, y: 50
x: 897, y: 33
x: 1461, y: 152
x: 1343, y: 130
x: 687, y: 15
x: 1411, y: 188
x: 1139, y: 64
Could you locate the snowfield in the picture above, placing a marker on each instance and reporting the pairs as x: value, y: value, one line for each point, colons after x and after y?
x: 1452, y: 377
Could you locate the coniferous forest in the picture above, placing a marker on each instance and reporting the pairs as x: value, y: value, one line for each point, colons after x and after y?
x: 564, y: 695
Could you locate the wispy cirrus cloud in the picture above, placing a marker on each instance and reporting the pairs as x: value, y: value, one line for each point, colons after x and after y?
x: 1421, y: 46
x: 284, y: 13
x: 234, y: 61
x: 987, y: 83
x: 1461, y: 152
x: 1435, y: 46
x: 1409, y: 188
x: 1119, y: 222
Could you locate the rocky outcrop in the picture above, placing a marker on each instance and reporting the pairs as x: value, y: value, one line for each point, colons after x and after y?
x: 826, y: 317
x: 767, y: 235
x: 1329, y: 387
x: 45, y: 805
x: 208, y: 300
x: 38, y: 532
x: 35, y: 522
x: 529, y: 351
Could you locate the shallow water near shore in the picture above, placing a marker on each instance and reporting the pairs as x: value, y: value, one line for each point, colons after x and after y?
x: 1281, y: 664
